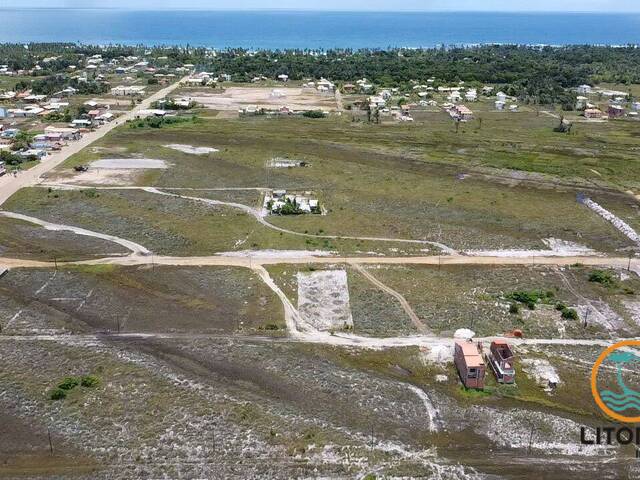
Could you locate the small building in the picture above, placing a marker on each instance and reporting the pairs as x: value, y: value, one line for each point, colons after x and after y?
x: 501, y: 359
x: 581, y: 102
x: 62, y: 133
x: 461, y: 112
x: 81, y: 123
x: 127, y: 90
x: 635, y: 106
x: 593, y: 113
x: 469, y: 363
x: 283, y: 77
x: 501, y: 97
x: 615, y: 111
x: 584, y: 89
x: 471, y: 95
x: 500, y: 105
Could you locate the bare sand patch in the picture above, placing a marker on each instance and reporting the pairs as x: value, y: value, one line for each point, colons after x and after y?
x: 323, y: 299
x: 129, y: 163
x: 190, y: 149
x: 235, y: 98
x: 105, y: 176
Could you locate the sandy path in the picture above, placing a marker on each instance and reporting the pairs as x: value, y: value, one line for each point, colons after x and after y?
x: 322, y: 338
x: 432, y: 412
x: 135, y: 248
x: 305, y: 260
x: 292, y: 317
x: 422, y: 328
x: 10, y: 184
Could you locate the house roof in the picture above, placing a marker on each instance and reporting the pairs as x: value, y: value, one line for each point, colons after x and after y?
x: 471, y: 355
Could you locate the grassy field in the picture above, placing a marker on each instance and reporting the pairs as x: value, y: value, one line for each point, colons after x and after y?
x: 161, y: 299
x: 20, y: 239
x: 419, y: 181
x: 175, y: 226
x: 477, y: 298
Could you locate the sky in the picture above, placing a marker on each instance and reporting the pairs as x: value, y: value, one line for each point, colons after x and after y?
x: 349, y: 5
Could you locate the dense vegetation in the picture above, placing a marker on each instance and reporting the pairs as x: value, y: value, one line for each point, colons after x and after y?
x: 533, y: 74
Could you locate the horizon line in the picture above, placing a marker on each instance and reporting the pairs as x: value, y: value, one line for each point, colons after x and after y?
x: 317, y: 10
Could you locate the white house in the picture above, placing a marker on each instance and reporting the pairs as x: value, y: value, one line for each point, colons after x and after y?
x: 581, y: 102
x: 501, y: 97
x: 584, y: 89
x: 127, y: 90
x: 471, y: 95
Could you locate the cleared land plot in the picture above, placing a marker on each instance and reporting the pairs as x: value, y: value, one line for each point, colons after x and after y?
x: 20, y: 239
x: 323, y: 299
x: 94, y: 299
x: 401, y: 189
x: 450, y: 298
x: 128, y: 163
x: 235, y: 98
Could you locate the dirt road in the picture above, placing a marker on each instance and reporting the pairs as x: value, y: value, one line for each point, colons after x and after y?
x: 422, y: 328
x: 250, y: 262
x: 10, y: 184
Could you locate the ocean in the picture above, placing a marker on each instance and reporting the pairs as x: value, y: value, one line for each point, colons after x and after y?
x: 314, y: 30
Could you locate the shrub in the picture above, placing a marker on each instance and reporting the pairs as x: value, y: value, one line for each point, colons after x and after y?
x: 531, y: 298
x: 560, y: 306
x: 58, y: 394
x: 602, y: 277
x: 313, y: 114
x: 69, y: 383
x: 90, y: 381
x: 514, y: 308
x: 570, y: 314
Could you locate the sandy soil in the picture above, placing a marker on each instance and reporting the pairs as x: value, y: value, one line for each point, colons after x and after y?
x: 129, y: 163
x: 96, y: 176
x: 323, y: 299
x: 190, y: 149
x: 237, y: 97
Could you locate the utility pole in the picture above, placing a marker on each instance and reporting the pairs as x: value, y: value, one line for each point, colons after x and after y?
x: 531, y: 438
x: 586, y: 316
x: 50, y: 442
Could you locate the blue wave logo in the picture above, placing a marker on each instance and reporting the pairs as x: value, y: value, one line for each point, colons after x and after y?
x: 627, y: 398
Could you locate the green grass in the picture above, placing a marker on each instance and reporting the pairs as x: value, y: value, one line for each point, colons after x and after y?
x: 475, y: 297
x: 401, y: 181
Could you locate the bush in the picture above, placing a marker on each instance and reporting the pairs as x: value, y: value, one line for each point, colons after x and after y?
x: 58, y: 394
x: 570, y: 314
x: 69, y: 383
x: 313, y: 114
x: 531, y: 298
x: 90, y: 381
x: 566, y: 312
x: 602, y: 277
x: 514, y: 308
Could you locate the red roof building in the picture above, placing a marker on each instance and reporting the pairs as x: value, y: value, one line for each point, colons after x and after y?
x: 471, y: 367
